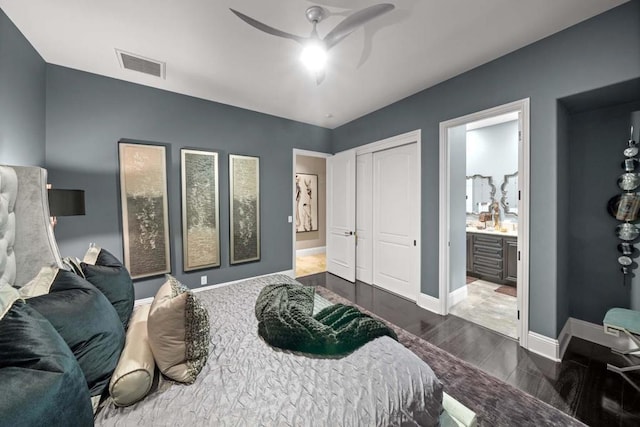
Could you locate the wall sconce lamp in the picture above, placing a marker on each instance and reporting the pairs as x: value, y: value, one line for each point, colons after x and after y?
x: 65, y: 203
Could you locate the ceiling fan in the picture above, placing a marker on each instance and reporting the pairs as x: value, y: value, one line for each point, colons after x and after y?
x: 315, y: 50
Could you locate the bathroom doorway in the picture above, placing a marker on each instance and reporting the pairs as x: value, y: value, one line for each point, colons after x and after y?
x: 483, y: 219
x: 309, y: 212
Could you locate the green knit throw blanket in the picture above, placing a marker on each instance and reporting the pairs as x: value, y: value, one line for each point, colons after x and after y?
x: 284, y: 313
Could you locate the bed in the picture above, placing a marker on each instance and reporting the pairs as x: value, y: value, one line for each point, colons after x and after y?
x: 245, y: 381
x: 248, y: 382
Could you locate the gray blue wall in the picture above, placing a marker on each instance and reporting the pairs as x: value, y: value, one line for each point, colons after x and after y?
x: 87, y: 115
x: 22, y: 98
x: 592, y: 54
x: 635, y: 289
x: 597, y: 139
x: 565, y: 218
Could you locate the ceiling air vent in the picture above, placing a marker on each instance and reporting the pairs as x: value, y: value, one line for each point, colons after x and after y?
x: 130, y: 61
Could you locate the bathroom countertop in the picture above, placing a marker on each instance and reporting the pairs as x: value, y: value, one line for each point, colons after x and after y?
x: 510, y: 233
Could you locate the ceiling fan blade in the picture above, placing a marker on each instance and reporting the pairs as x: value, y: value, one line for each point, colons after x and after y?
x: 267, y: 29
x: 355, y: 20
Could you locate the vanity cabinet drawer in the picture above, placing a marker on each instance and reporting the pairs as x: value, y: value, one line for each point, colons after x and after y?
x: 488, y: 273
x: 488, y: 261
x: 489, y: 242
x: 493, y: 258
x: 488, y: 251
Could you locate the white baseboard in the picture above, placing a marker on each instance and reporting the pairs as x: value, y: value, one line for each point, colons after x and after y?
x: 564, y: 338
x: 595, y: 333
x: 457, y: 296
x: 429, y: 303
x: 311, y: 251
x: 149, y: 300
x: 544, y: 346
x: 143, y: 301
x: 555, y: 349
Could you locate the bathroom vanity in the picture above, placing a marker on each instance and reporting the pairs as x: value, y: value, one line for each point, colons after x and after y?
x: 492, y: 256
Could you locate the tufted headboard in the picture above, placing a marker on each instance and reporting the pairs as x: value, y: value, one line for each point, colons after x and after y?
x: 27, y: 242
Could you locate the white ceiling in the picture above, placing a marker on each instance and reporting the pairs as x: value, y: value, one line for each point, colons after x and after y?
x: 211, y: 54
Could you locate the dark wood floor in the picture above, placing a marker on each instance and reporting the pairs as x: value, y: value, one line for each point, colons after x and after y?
x: 580, y: 385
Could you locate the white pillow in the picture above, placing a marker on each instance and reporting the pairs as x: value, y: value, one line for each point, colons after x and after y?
x: 133, y: 377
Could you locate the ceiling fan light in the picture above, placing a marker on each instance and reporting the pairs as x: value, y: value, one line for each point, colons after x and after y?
x: 314, y: 57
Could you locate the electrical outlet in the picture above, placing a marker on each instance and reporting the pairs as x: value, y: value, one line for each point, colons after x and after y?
x: 203, y: 280
x: 290, y: 219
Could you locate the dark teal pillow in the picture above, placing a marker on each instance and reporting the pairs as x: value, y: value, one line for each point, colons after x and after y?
x: 89, y: 324
x: 108, y: 274
x: 41, y: 382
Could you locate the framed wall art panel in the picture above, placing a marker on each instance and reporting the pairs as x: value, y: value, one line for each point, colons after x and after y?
x: 244, y: 208
x: 145, y: 213
x: 200, y: 209
x: 306, y: 202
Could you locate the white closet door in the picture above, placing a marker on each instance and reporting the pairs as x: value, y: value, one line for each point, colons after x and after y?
x: 341, y: 215
x: 364, y: 215
x: 395, y: 220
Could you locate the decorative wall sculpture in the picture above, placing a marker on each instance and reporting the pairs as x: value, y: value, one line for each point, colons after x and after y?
x: 200, y: 209
x: 145, y: 214
x: 244, y: 208
x: 626, y: 207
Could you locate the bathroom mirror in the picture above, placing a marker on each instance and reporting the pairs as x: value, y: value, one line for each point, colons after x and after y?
x: 480, y: 194
x: 509, y: 200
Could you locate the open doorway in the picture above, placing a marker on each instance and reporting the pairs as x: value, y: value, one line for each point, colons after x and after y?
x: 484, y: 214
x: 309, y: 212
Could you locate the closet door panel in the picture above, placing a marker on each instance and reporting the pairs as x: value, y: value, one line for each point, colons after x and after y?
x: 395, y: 216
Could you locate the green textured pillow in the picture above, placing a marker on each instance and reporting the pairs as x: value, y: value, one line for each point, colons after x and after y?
x: 108, y: 274
x: 41, y: 382
x: 87, y: 322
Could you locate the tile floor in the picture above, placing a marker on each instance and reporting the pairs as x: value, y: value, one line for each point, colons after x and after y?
x: 311, y: 264
x: 486, y: 307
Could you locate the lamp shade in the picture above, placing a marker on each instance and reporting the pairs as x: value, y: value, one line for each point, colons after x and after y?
x: 66, y: 202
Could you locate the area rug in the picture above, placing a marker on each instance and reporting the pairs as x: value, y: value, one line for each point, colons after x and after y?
x: 508, y: 290
x: 495, y: 402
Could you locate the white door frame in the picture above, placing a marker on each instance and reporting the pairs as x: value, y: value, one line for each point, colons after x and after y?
x: 298, y: 152
x: 521, y: 106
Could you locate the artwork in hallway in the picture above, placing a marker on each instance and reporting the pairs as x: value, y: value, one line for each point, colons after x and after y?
x: 200, y: 209
x: 145, y: 214
x: 244, y: 209
x: 306, y: 202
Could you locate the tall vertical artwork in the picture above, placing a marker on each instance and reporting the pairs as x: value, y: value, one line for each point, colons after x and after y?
x: 200, y: 209
x: 306, y: 202
x: 244, y: 208
x: 145, y: 213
